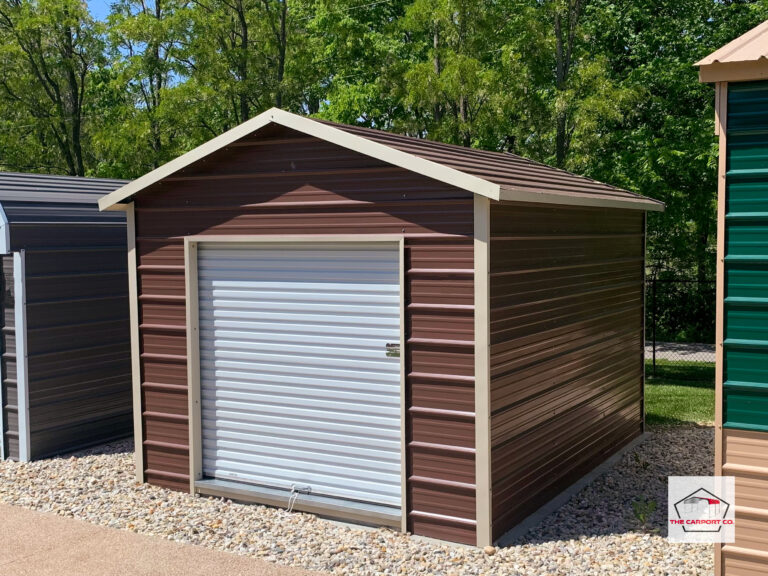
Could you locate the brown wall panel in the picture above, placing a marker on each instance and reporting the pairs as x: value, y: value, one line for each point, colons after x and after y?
x: 440, y: 463
x: 566, y: 323
x: 299, y: 185
x: 456, y: 501
x: 745, y: 456
x: 741, y: 565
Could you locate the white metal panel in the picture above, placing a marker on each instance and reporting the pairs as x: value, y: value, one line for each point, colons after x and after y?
x: 296, y: 385
x: 5, y: 232
x: 22, y: 382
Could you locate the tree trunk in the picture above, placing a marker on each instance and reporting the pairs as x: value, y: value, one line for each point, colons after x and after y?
x: 282, y: 45
x: 438, y: 110
x: 564, y: 40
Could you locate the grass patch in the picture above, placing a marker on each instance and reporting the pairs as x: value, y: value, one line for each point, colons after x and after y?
x: 680, y: 393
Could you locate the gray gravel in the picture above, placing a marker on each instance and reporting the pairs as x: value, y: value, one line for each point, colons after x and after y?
x: 595, y: 533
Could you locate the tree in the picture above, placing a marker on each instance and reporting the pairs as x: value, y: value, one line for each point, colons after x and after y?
x: 145, y: 39
x: 49, y: 49
x: 664, y: 146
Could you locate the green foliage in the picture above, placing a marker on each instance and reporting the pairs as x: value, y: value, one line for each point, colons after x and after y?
x: 643, y: 510
x: 605, y: 88
x: 680, y: 311
x: 48, y: 49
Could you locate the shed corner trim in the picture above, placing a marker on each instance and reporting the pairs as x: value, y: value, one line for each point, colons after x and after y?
x: 483, y: 473
x: 5, y: 233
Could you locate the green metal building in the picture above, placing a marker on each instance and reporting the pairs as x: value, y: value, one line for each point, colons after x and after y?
x: 739, y: 71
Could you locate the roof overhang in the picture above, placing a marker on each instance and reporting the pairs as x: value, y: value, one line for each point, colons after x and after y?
x: 734, y: 71
x: 586, y: 200
x: 741, y: 60
x: 390, y: 155
x: 311, y: 128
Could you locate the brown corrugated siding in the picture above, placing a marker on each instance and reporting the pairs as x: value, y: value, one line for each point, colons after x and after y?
x: 296, y: 185
x: 78, y: 337
x: 566, y: 339
x: 8, y: 395
x: 745, y: 456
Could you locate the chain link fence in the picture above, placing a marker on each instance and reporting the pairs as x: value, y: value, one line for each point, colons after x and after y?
x: 680, y: 328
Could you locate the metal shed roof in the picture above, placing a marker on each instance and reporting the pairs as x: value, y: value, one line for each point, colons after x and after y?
x: 745, y: 58
x: 45, y: 199
x: 496, y: 175
x: 20, y: 187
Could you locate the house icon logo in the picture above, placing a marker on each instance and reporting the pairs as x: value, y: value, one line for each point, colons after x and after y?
x: 702, y: 511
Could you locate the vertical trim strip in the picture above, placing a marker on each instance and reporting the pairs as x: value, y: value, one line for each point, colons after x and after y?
x: 642, y: 338
x: 3, y: 287
x: 482, y: 372
x: 5, y: 233
x: 722, y: 110
x: 193, y: 364
x: 133, y: 309
x: 22, y: 374
x: 403, y: 396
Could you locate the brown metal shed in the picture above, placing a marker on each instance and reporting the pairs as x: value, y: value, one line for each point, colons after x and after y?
x: 65, y: 373
x: 739, y: 71
x: 391, y: 330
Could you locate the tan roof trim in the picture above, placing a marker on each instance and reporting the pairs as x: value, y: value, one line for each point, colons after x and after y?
x: 741, y: 60
x: 318, y: 130
x: 734, y: 71
x: 586, y: 199
x: 749, y: 47
x: 380, y: 151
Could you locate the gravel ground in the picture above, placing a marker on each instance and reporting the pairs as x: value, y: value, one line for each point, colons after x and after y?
x: 595, y: 533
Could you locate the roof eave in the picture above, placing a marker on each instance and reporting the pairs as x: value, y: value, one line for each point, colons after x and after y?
x: 734, y: 71
x: 309, y: 127
x: 594, y: 201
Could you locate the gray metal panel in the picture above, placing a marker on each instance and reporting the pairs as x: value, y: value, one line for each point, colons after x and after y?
x: 76, y: 374
x: 73, y: 361
x: 20, y: 187
x: 78, y: 341
x: 26, y: 213
x: 7, y: 362
x: 296, y: 383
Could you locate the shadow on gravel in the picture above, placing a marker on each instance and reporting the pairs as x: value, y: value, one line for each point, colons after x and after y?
x: 115, y: 447
x: 631, y: 496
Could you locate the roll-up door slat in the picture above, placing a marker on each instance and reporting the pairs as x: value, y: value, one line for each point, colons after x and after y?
x: 297, y: 387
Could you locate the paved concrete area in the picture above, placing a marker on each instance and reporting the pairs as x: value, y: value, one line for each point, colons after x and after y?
x: 678, y: 351
x: 38, y: 544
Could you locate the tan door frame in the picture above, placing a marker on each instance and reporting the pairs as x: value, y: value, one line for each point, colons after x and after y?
x: 193, y: 336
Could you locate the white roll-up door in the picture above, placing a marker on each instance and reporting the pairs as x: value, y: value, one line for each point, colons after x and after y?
x: 297, y: 385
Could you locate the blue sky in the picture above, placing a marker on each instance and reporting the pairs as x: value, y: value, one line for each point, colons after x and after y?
x: 99, y: 8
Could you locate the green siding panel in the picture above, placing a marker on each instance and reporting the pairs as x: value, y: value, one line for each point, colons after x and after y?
x: 747, y: 239
x: 747, y: 322
x: 746, y: 263
x: 746, y: 406
x: 746, y: 281
x: 744, y: 365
